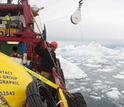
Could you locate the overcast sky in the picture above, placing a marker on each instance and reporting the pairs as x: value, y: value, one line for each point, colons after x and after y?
x: 101, y: 19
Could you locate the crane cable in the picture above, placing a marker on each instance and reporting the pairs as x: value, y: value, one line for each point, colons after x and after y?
x: 56, y: 65
x: 44, y: 42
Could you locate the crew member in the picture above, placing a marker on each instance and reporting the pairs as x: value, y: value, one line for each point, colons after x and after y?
x: 7, y: 20
x: 47, y: 58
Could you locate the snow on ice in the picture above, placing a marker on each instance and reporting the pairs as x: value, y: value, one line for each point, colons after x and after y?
x: 103, y: 66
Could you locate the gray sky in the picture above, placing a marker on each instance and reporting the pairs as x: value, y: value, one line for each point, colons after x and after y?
x: 101, y: 19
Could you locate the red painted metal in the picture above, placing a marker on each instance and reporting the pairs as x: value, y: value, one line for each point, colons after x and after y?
x: 28, y: 36
x: 27, y: 13
x: 20, y: 39
x: 10, y: 7
x: 57, y: 81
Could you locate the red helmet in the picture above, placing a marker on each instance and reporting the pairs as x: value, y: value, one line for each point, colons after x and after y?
x: 54, y: 44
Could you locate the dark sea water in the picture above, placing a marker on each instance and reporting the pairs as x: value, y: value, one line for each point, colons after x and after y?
x: 103, y: 86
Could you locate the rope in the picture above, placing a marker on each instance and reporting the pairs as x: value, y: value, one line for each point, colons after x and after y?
x: 44, y: 42
x: 38, y: 96
x: 56, y: 65
x: 50, y: 84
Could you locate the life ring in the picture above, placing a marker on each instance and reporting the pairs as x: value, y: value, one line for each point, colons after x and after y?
x: 16, y: 55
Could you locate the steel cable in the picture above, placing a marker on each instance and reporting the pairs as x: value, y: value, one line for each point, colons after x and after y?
x: 38, y: 95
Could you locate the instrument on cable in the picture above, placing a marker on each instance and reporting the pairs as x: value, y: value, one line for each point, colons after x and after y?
x: 76, y: 16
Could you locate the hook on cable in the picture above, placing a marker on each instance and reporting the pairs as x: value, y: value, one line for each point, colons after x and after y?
x: 76, y: 17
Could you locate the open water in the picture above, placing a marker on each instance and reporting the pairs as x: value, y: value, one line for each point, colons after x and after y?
x: 103, y: 86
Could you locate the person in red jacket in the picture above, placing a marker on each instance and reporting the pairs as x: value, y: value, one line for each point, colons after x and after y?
x: 47, y: 58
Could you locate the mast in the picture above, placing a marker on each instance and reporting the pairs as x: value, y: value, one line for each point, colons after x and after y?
x: 27, y: 15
